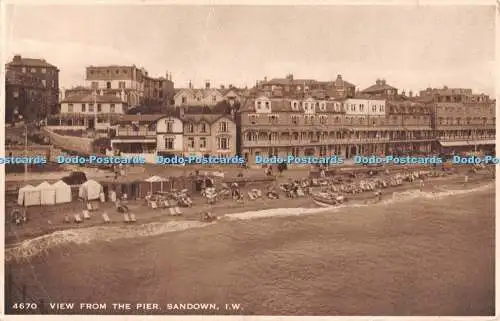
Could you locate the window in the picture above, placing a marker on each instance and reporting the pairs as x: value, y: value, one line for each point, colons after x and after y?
x: 214, y: 99
x: 273, y: 119
x: 94, y: 85
x: 190, y: 142
x: 99, y: 108
x: 70, y: 108
x: 169, y: 143
x: 91, y: 108
x: 252, y: 119
x: 44, y: 82
x: 111, y: 108
x: 259, y: 104
x: 184, y: 99
x: 203, y: 142
x: 53, y: 83
x: 15, y: 94
x: 223, y: 127
x: 24, y: 70
x: 121, y: 84
x: 44, y: 70
x: 83, y: 108
x: 374, y: 108
x: 170, y: 126
x: 223, y: 143
x: 323, y: 119
x: 295, y: 120
x: 33, y: 70
x: 108, y: 84
x: 361, y: 107
x: 267, y: 104
x: 203, y: 128
x: 189, y: 128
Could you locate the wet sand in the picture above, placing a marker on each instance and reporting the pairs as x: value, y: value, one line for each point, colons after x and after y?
x: 425, y: 257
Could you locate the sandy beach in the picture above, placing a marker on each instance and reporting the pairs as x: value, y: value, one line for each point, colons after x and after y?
x: 399, y: 257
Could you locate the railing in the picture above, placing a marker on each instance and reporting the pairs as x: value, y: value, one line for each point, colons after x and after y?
x: 466, y: 138
x: 128, y: 132
x: 308, y: 142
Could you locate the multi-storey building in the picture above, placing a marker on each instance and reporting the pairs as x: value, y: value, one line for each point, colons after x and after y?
x: 289, y: 87
x: 149, y: 136
x: 210, y: 130
x: 462, y: 121
x: 380, y: 90
x: 94, y: 111
x: 24, y: 94
x: 199, y: 96
x: 49, y: 77
x: 139, y: 87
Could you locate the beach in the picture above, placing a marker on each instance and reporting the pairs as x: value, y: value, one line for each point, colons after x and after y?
x: 434, y: 256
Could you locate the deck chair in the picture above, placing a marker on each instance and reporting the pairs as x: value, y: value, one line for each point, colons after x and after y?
x: 77, y: 218
x: 251, y: 196
x: 166, y: 203
x: 105, y: 217
x: 126, y: 218
x: 177, y: 210
x: 132, y: 217
x: 171, y: 210
x: 300, y: 192
x: 66, y: 219
x: 154, y: 205
x: 257, y: 193
x: 86, y: 215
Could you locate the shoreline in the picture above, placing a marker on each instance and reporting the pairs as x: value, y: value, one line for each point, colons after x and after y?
x: 15, y: 237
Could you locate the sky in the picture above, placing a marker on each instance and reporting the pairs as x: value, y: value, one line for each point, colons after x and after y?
x: 412, y: 47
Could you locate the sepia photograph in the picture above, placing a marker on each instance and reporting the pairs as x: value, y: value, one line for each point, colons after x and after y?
x: 280, y: 160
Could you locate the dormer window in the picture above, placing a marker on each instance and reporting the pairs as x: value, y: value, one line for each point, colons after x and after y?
x: 252, y: 119
x: 190, y: 128
x: 323, y: 119
x: 323, y: 106
x: 267, y: 104
x: 259, y: 104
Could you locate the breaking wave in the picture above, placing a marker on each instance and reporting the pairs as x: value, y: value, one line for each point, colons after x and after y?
x: 40, y: 245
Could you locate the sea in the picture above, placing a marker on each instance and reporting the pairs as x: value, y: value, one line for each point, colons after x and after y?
x: 415, y: 253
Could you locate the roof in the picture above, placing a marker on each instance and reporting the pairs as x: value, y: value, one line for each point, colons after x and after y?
x: 379, y: 86
x: 29, y: 62
x: 90, y: 98
x: 144, y: 118
x: 287, y: 81
x: 198, y: 91
x: 199, y: 118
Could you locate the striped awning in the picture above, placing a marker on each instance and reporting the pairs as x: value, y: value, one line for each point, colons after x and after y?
x: 467, y: 143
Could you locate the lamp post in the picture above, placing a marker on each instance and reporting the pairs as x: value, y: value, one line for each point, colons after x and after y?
x: 20, y: 118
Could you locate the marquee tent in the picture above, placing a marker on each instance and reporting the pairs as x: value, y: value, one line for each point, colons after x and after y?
x: 47, y: 194
x: 29, y: 195
x: 90, y: 190
x: 63, y: 192
x: 156, y: 183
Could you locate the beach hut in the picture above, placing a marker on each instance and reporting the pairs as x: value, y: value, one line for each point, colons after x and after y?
x: 90, y: 190
x: 47, y: 194
x: 63, y: 192
x: 29, y: 196
x: 157, y: 184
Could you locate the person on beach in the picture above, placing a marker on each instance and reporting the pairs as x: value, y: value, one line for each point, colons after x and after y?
x: 421, y: 181
x: 466, y: 179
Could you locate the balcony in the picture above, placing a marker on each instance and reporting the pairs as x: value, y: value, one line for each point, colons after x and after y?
x: 313, y: 142
x: 135, y: 133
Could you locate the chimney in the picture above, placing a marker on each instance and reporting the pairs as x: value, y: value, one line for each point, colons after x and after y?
x: 339, y: 77
x: 410, y: 93
x: 265, y: 79
x: 62, y: 94
x: 170, y: 77
x: 382, y: 82
x: 222, y: 87
x: 207, y: 84
x: 403, y: 93
x: 378, y: 82
x: 190, y: 85
x: 166, y: 75
x: 17, y: 58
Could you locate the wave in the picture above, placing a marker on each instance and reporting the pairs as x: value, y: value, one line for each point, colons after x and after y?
x: 40, y: 245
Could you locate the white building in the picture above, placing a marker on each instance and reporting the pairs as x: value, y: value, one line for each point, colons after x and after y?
x: 95, y: 111
x: 364, y: 107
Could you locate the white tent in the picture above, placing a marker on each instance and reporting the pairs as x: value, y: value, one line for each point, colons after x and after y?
x: 156, y: 183
x: 90, y: 190
x: 47, y: 194
x: 29, y: 195
x: 63, y: 192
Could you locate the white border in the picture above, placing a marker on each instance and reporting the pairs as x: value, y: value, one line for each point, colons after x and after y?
x: 4, y: 28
